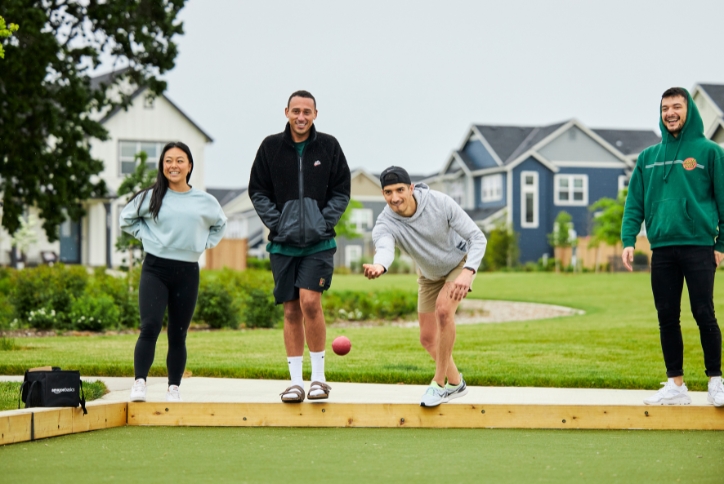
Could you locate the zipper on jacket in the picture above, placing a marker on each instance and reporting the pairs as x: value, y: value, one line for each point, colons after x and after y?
x: 303, y: 239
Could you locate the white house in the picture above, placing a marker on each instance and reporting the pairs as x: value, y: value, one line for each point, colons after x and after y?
x: 144, y: 126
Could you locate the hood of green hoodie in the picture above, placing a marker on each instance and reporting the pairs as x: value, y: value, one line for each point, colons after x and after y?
x: 693, y: 128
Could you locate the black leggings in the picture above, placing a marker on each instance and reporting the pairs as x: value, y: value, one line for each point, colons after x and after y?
x: 669, y: 267
x: 165, y: 283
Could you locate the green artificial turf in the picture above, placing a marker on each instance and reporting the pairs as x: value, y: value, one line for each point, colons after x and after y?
x: 9, y: 393
x: 615, y: 344
x: 284, y: 455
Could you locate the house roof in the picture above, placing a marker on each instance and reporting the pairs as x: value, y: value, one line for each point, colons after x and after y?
x: 480, y: 214
x: 716, y: 93
x: 510, y: 141
x: 504, y: 139
x: 96, y: 82
x: 225, y: 195
x: 629, y: 141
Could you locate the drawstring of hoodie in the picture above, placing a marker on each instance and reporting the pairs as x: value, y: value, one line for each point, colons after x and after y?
x: 667, y: 169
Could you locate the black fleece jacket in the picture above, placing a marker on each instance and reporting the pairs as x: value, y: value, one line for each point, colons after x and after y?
x: 300, y: 200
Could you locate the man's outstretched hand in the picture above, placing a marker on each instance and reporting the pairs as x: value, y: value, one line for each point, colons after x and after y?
x: 373, y: 271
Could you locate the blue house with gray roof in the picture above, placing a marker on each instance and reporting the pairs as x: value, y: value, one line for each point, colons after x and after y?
x: 526, y: 175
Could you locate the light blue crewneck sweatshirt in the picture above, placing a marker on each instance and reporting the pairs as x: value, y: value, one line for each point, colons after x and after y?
x: 187, y: 224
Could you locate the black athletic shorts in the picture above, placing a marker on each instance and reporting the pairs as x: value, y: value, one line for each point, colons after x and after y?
x: 313, y: 272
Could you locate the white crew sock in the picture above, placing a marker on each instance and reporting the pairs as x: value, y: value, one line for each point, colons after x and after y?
x: 295, y: 370
x: 318, y: 366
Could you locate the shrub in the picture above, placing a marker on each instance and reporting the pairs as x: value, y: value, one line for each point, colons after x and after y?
x: 502, y: 249
x: 355, y: 306
x: 7, y: 311
x: 261, y: 311
x: 47, y: 287
x: 640, y: 259
x: 124, y: 297
x: 254, y: 263
x: 216, y: 307
x: 44, y: 319
x: 96, y: 312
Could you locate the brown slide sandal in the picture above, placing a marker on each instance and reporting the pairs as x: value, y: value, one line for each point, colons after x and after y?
x: 298, y: 394
x: 318, y: 385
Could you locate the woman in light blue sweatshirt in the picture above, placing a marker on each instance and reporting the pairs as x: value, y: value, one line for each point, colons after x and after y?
x: 176, y: 224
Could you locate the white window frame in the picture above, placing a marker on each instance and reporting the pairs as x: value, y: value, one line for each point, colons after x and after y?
x: 570, y: 202
x: 152, y: 162
x: 524, y: 190
x: 622, y: 179
x: 362, y: 219
x: 352, y: 253
x: 493, y: 190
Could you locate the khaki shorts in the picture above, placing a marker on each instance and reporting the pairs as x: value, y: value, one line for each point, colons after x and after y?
x: 429, y: 289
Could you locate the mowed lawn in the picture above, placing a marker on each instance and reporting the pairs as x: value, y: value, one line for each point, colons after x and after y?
x: 615, y: 344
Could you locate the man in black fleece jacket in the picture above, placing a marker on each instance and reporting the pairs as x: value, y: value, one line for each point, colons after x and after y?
x: 300, y: 185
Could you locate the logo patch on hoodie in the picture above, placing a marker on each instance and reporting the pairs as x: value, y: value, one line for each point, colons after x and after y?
x: 689, y: 164
x: 321, y: 281
x: 317, y: 163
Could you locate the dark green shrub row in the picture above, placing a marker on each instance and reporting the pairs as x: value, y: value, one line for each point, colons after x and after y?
x: 358, y: 306
x: 66, y: 298
x: 229, y: 298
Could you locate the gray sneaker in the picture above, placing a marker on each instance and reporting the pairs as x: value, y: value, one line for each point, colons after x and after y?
x: 434, y: 396
x: 457, y: 391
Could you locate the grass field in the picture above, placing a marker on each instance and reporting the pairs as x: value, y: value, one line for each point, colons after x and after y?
x: 9, y: 393
x: 179, y: 455
x: 615, y: 344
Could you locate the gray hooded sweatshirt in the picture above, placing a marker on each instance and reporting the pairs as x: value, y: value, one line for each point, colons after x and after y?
x: 437, y: 236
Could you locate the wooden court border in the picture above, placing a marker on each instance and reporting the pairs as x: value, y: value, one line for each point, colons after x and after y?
x: 38, y: 423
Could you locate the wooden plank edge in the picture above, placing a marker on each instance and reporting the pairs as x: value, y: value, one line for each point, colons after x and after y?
x: 413, y: 416
x: 38, y: 423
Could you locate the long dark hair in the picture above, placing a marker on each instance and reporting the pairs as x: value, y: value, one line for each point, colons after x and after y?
x: 160, y: 187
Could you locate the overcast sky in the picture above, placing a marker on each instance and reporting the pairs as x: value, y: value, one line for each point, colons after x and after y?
x: 399, y: 82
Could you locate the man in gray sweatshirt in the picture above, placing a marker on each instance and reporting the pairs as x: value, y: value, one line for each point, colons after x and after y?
x: 447, y: 247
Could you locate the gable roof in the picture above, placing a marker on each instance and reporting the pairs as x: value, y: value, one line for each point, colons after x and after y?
x: 509, y: 142
x: 504, y: 139
x: 716, y: 93
x: 628, y: 141
x: 95, y: 83
x: 225, y: 195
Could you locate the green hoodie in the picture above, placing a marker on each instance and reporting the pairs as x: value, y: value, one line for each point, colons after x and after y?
x: 677, y: 187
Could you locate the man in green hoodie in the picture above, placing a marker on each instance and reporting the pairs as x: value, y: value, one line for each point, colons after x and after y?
x: 677, y: 188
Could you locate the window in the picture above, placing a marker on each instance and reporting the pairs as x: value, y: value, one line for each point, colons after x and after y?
x: 352, y: 254
x: 492, y: 188
x: 361, y: 218
x: 456, y: 192
x: 622, y: 182
x: 571, y: 190
x: 129, y: 149
x: 529, y: 200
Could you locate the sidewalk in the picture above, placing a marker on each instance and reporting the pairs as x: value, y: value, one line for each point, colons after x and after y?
x: 202, y: 389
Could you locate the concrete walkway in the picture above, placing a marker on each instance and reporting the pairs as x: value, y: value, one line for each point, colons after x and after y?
x: 201, y: 389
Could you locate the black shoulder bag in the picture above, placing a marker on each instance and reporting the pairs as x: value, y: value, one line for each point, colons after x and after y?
x: 52, y: 387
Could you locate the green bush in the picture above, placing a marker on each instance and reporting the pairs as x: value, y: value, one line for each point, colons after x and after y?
x: 45, y: 318
x: 258, y: 264
x: 216, y: 307
x: 7, y: 311
x: 124, y: 295
x: 261, y: 311
x: 355, y: 305
x: 47, y: 287
x: 95, y: 312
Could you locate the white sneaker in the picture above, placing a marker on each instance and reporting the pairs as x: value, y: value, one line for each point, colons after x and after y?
x: 716, y: 392
x: 670, y: 395
x: 173, y: 394
x: 138, y: 391
x: 434, y: 396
